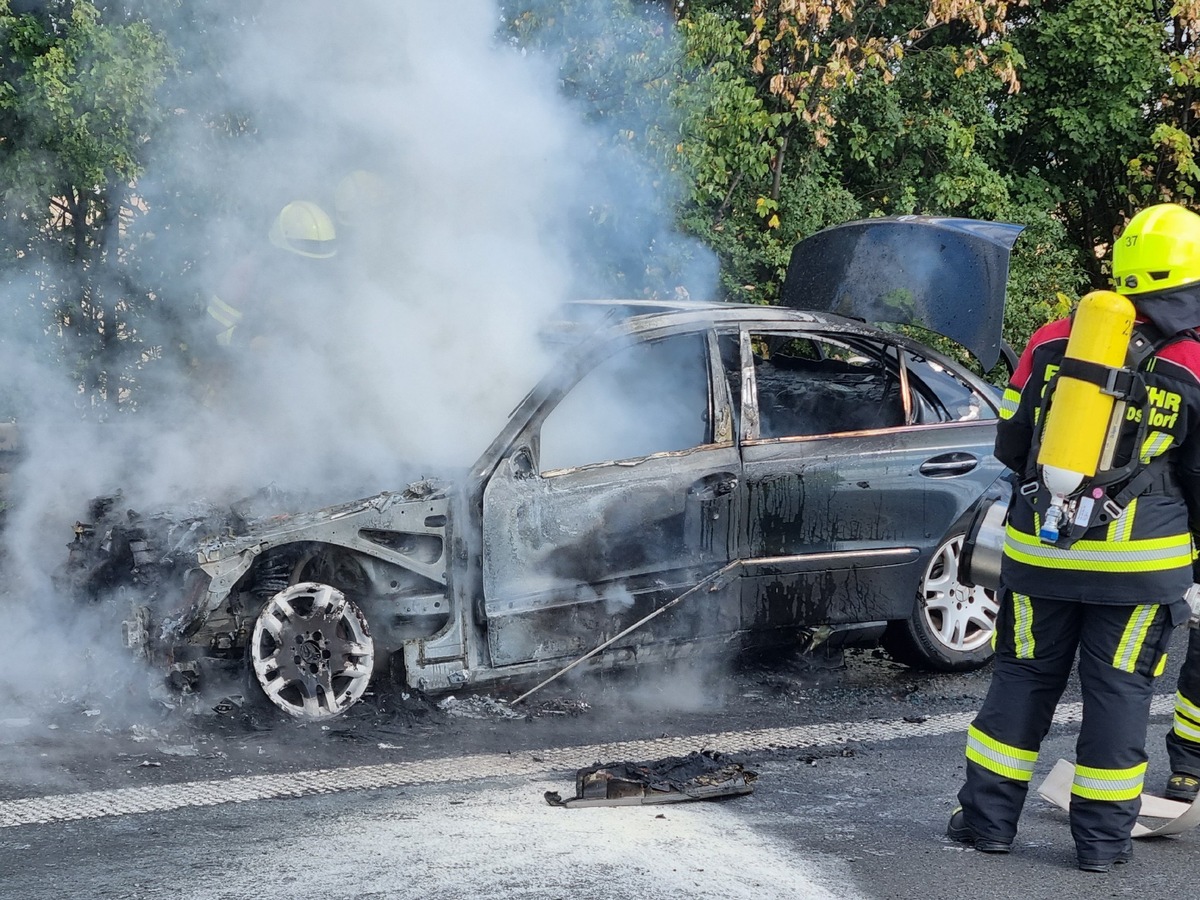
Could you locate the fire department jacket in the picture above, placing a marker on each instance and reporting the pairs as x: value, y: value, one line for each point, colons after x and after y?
x: 1146, y: 554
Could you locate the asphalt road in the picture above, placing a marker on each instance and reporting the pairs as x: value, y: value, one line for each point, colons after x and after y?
x: 857, y: 765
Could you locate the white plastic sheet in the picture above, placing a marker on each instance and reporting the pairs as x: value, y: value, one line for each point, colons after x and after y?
x: 1179, y: 817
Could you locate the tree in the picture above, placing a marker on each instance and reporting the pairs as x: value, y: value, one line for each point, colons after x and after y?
x: 78, y: 97
x: 1091, y: 68
x: 618, y: 62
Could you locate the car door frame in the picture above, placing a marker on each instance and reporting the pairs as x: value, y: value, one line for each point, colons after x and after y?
x: 704, y: 482
x: 868, y: 576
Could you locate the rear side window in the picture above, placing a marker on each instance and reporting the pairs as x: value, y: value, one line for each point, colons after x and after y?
x: 941, y: 395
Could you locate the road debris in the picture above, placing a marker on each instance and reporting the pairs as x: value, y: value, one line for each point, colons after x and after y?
x: 701, y: 775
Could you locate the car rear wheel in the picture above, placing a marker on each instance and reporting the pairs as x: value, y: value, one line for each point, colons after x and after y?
x: 311, y: 653
x: 952, y: 623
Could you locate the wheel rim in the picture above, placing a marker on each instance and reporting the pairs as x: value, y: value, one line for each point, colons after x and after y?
x: 960, y: 617
x: 311, y: 651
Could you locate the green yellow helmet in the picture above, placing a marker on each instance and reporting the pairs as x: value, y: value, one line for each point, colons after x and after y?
x: 1159, y: 249
x: 304, y: 228
x: 359, y: 198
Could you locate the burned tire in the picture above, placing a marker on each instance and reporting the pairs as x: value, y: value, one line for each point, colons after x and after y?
x: 952, y: 623
x: 311, y: 653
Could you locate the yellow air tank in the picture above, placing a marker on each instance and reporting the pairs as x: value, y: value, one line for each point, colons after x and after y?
x: 1078, y: 421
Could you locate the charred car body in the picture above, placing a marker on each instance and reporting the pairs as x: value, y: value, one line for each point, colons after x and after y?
x: 800, y: 476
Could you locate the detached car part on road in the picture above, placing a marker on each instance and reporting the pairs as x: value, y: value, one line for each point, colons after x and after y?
x: 807, y: 477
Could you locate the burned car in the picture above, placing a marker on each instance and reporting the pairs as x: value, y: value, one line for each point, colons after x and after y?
x: 716, y: 475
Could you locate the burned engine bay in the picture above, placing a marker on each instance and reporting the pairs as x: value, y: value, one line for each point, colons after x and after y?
x: 284, y: 596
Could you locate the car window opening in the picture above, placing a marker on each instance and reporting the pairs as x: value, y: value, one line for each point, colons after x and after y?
x: 648, y: 399
x: 811, y: 387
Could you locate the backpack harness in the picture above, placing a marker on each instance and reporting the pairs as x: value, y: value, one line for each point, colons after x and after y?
x: 1104, y: 496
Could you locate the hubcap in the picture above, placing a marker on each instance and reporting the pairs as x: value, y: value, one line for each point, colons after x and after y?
x: 311, y: 651
x: 960, y: 617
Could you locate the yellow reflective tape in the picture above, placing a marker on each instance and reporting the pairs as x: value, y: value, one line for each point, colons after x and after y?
x: 1023, y: 626
x: 1091, y: 783
x: 1120, y: 528
x: 1155, y: 445
x: 1009, y: 403
x: 1186, y: 729
x: 1129, y: 648
x: 1143, y: 555
x: 1162, y: 665
x: 1002, y: 759
x: 1186, y: 707
x: 225, y: 314
x: 1140, y: 546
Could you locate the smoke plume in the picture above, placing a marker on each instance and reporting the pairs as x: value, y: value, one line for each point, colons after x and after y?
x: 487, y: 185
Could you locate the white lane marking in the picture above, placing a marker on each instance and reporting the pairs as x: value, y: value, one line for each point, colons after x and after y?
x: 162, y: 798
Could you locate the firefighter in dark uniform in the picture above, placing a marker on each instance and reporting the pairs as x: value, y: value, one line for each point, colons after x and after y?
x: 249, y: 303
x: 265, y: 301
x: 1114, y: 594
x: 1183, y: 740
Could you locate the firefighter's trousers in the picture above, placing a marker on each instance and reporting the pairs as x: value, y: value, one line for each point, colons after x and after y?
x: 1122, y: 649
x: 1183, y: 740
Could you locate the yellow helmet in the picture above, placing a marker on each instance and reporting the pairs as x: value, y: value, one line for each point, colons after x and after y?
x: 304, y: 228
x: 1159, y: 249
x: 359, y: 195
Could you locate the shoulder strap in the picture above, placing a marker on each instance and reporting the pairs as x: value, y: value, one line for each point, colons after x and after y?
x: 1126, y: 383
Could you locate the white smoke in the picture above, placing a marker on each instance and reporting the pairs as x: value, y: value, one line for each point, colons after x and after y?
x: 405, y: 354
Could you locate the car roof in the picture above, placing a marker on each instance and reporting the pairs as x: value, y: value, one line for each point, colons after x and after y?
x: 581, y: 318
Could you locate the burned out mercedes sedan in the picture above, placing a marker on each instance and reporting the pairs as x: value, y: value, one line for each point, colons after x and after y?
x: 691, y: 477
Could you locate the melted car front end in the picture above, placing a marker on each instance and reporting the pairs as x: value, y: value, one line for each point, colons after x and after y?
x: 309, y: 603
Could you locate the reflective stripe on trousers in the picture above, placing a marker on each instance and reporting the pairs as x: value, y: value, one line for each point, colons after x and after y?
x: 1183, y: 739
x: 1121, y: 649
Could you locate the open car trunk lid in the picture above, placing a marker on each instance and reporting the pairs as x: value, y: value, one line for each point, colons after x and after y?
x: 947, y: 275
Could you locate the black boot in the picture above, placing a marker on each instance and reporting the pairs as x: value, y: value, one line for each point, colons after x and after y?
x: 1182, y: 786
x: 959, y: 830
x: 1103, y: 865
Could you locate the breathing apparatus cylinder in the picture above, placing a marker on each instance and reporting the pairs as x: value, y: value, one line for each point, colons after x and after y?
x: 1077, y: 424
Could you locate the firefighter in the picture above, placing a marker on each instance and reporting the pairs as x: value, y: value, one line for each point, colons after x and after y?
x: 244, y: 307
x: 265, y: 302
x: 1110, y: 582
x: 365, y: 210
x: 360, y: 200
x: 1183, y: 740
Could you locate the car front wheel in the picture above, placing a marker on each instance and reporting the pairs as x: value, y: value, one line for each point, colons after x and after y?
x: 311, y: 652
x: 952, y: 623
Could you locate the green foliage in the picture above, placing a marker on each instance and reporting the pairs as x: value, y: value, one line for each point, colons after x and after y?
x: 1091, y: 71
x: 735, y: 127
x: 79, y: 100
x: 618, y: 64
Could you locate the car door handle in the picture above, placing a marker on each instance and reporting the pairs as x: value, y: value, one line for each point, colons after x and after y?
x: 714, y: 485
x: 949, y: 464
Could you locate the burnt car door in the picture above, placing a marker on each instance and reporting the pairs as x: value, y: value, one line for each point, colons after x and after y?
x: 860, y: 455
x: 617, y: 496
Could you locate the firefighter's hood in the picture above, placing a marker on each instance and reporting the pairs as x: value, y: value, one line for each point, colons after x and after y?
x: 944, y: 274
x: 1171, y: 311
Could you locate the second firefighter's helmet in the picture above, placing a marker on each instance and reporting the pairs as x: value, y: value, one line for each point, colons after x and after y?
x: 302, y: 227
x: 1158, y: 250
x: 360, y: 198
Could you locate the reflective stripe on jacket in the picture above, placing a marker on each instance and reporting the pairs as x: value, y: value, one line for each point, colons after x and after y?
x: 1146, y: 554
